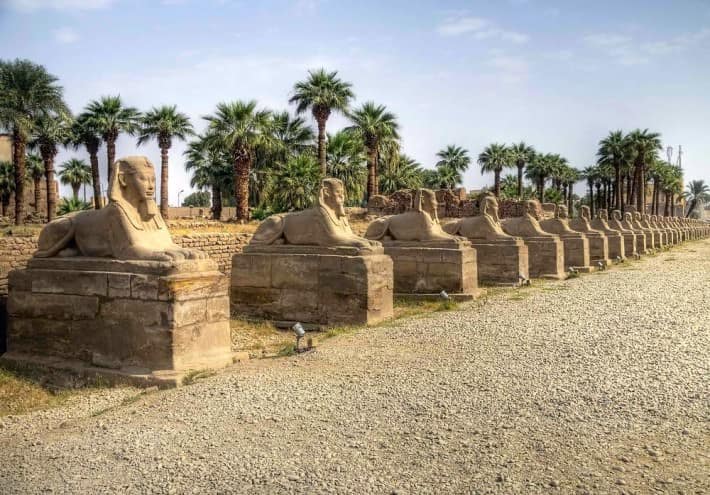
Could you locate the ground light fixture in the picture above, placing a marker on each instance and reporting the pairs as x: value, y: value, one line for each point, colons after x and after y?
x: 573, y: 270
x: 600, y: 265
x: 300, y: 333
x: 523, y: 280
x: 444, y: 295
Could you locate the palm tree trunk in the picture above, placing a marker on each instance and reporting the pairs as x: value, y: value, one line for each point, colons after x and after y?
x: 38, y: 192
x: 629, y: 189
x: 621, y: 190
x: 520, y: 180
x: 216, y: 202
x: 617, y: 188
x: 322, y: 147
x: 84, y: 192
x: 75, y: 190
x: 667, y: 205
x: 591, y: 199
x: 19, y: 144
x: 371, y: 177
x: 51, y: 191
x: 95, y: 178
x: 164, y: 182
x: 242, y: 164
x: 496, y: 182
x: 569, y: 198
x: 641, y: 191
x: 111, y: 157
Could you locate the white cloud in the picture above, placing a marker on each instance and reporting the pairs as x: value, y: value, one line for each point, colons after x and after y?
x: 676, y: 44
x: 65, y: 35
x: 32, y: 5
x: 479, y: 28
x: 510, y: 69
x: 606, y: 39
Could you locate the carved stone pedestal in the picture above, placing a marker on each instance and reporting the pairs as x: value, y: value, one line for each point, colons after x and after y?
x: 433, y: 266
x: 501, y: 262
x: 546, y: 257
x: 315, y: 285
x: 141, y: 321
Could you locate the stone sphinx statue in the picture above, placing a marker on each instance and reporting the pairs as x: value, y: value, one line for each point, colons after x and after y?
x: 598, y: 242
x: 614, y: 237
x: 632, y: 245
x: 128, y: 228
x: 576, y: 243
x: 420, y: 224
x: 325, y: 225
x: 642, y: 246
x: 485, y: 226
x: 528, y: 224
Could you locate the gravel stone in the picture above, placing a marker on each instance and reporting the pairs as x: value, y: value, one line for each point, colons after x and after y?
x: 554, y: 388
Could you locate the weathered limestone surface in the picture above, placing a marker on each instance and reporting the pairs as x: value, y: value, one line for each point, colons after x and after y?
x: 653, y: 240
x: 310, y: 267
x: 502, y: 258
x: 145, y: 319
x: 318, y: 285
x: 614, y: 237
x: 598, y: 243
x: 545, y: 250
x: 576, y: 244
x: 426, y: 259
x: 641, y: 236
x: 630, y: 238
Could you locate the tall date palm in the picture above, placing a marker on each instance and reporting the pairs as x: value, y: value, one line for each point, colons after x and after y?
x: 85, y: 133
x: 494, y: 158
x: 164, y: 124
x: 75, y: 173
x: 322, y: 92
x: 50, y: 132
x: 521, y: 154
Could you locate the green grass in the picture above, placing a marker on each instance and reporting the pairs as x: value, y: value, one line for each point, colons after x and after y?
x: 193, y: 376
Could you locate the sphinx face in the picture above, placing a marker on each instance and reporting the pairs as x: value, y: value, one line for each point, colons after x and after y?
x: 334, y: 197
x: 141, y: 183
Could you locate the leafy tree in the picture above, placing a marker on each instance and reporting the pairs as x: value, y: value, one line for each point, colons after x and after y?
x: 400, y: 172
x: 615, y: 151
x: 294, y: 185
x: 35, y: 173
x: 509, y: 189
x: 322, y: 92
x: 241, y: 128
x: 51, y: 131
x: 198, y: 199
x: 7, y: 185
x: 645, y: 146
x: 375, y: 126
x: 521, y: 154
x: 453, y: 162
x: 85, y: 133
x: 110, y: 117
x: 75, y: 173
x: 346, y: 161
x: 695, y: 191
x: 164, y: 124
x: 27, y: 92
x: 494, y: 158
x: 209, y: 162
x: 70, y: 205
x: 292, y: 136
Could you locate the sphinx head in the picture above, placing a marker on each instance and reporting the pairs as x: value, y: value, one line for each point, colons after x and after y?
x: 561, y: 212
x: 332, y: 196
x: 616, y: 215
x: 531, y: 209
x: 628, y: 217
x: 602, y: 214
x: 133, y: 183
x: 489, y: 206
x: 425, y: 200
x: 585, y: 212
x: 637, y: 216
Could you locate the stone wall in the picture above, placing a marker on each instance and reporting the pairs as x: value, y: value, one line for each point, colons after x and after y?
x: 16, y: 250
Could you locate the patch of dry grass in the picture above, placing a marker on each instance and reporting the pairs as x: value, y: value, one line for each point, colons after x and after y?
x: 21, y: 394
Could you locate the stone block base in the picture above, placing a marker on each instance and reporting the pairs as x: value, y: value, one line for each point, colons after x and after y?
x: 598, y: 250
x: 502, y: 263
x: 629, y: 244
x: 616, y: 246
x: 429, y: 270
x: 131, y: 319
x: 576, y: 249
x: 546, y: 257
x: 319, y: 286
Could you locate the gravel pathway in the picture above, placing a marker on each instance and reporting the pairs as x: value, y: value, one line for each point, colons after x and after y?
x: 593, y: 385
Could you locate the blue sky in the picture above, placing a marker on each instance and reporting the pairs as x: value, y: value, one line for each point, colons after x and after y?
x: 557, y: 74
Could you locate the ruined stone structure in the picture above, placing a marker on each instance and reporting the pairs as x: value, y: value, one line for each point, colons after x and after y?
x: 598, y: 243
x: 545, y: 250
x: 426, y: 259
x: 613, y: 237
x: 108, y: 292
x: 310, y: 267
x: 576, y: 244
x: 631, y: 242
x: 502, y: 258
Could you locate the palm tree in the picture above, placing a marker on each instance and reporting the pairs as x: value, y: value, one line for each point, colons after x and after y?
x: 323, y: 92
x: 494, y: 158
x: 291, y: 134
x: 76, y: 173
x: 110, y: 117
x: 346, y: 161
x: 294, y: 185
x: 590, y: 174
x: 7, y: 185
x: 27, y: 91
x: 400, y: 172
x: 375, y: 126
x: 696, y: 190
x: 164, y: 124
x: 645, y: 146
x: 210, y: 167
x: 521, y: 154
x: 51, y: 131
x: 35, y: 173
x: 70, y: 205
x: 615, y: 151
x: 85, y: 133
x: 453, y: 162
x: 240, y: 128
